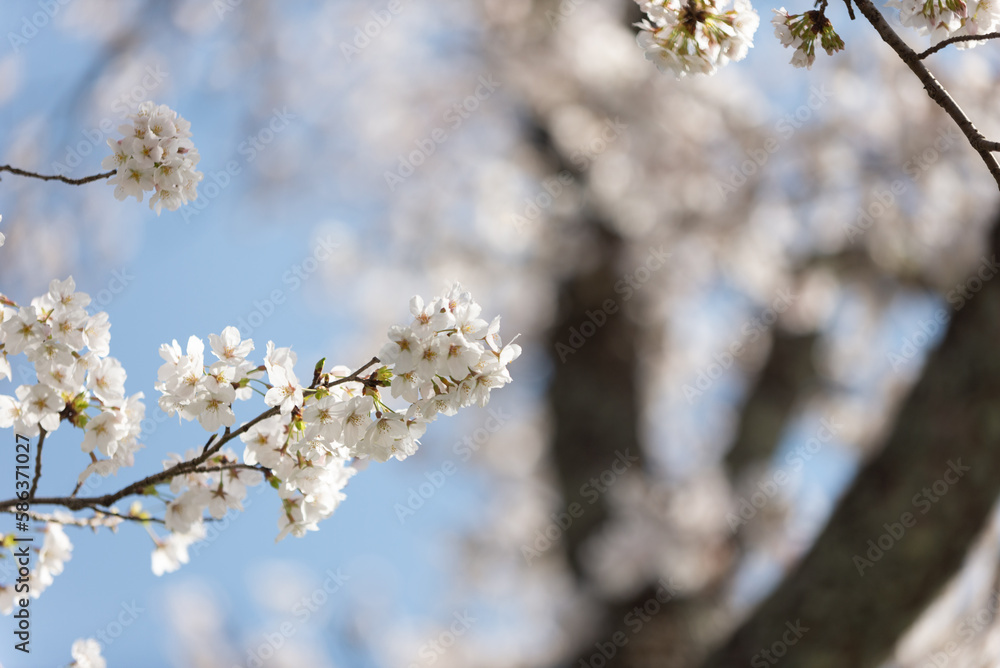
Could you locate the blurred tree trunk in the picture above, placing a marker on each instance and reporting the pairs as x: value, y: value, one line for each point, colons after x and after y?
x: 904, y: 526
x: 594, y: 403
x: 787, y: 377
x: 593, y: 394
x: 681, y: 630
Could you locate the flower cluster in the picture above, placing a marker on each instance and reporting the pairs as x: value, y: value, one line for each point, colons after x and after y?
x: 696, y: 36
x: 802, y: 31
x: 56, y: 550
x: 155, y: 154
x: 219, y: 486
x: 69, y: 349
x: 77, y: 382
x: 206, y: 394
x: 446, y: 358
x: 87, y: 654
x: 942, y: 19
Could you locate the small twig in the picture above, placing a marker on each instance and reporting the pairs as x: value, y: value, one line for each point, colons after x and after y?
x: 204, y: 448
x: 230, y: 467
x: 933, y: 87
x: 38, y: 463
x: 131, y: 518
x: 93, y: 521
x: 951, y: 40
x: 354, y: 376
x: 58, y: 177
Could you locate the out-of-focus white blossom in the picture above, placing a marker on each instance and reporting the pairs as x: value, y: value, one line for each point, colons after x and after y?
x: 87, y: 654
x: 939, y: 18
x: 172, y: 551
x: 943, y: 19
x: 56, y: 550
x: 50, y: 560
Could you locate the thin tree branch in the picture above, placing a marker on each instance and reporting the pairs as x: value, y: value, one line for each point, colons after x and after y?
x: 38, y: 464
x: 354, y: 376
x: 131, y: 518
x: 933, y: 87
x: 58, y: 177
x: 952, y: 40
x: 138, y: 487
x: 230, y: 467
x: 92, y: 522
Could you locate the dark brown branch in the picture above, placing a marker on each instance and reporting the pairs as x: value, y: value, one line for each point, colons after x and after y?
x: 952, y: 40
x: 182, y: 468
x: 987, y: 145
x: 355, y: 376
x: 38, y: 464
x: 933, y: 87
x: 57, y: 177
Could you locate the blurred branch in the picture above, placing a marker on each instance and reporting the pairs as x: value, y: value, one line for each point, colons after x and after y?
x: 788, y: 374
x: 93, y: 522
x: 933, y: 87
x: 593, y: 392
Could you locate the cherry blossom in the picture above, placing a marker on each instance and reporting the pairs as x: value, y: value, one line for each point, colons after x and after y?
x: 696, y: 37
x: 172, y: 551
x: 156, y: 154
x: 801, y: 31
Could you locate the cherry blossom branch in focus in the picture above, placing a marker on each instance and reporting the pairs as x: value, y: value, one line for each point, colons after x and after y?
x: 188, y: 466
x: 305, y: 442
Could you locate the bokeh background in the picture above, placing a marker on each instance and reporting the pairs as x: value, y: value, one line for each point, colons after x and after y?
x: 722, y: 285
